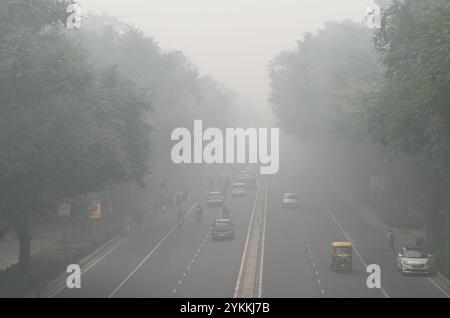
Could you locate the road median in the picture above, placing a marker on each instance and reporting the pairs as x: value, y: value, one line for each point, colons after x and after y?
x: 249, y: 282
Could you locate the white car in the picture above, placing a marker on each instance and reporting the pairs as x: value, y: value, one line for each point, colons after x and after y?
x: 290, y: 200
x: 214, y: 199
x: 238, y: 190
x: 414, y: 260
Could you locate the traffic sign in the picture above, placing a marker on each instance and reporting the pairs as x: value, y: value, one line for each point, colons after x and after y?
x: 64, y: 209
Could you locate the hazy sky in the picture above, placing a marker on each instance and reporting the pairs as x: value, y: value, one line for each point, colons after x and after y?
x: 232, y: 40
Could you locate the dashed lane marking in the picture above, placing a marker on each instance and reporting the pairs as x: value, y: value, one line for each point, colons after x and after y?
x: 147, y: 257
x: 331, y: 214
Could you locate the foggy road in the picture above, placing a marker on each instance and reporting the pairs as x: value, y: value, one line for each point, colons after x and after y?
x: 298, y: 246
x: 163, y: 261
x: 319, y: 130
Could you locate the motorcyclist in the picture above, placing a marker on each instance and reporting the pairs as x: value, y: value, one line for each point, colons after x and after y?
x: 198, y: 212
x: 180, y: 217
x: 225, y: 212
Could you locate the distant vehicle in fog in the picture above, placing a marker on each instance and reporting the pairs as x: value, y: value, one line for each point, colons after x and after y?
x: 414, y: 260
x: 238, y: 190
x: 242, y: 177
x: 214, y: 199
x: 290, y: 201
x: 222, y: 229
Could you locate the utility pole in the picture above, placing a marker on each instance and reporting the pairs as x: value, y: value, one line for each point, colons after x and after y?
x: 64, y: 213
x: 408, y: 197
x: 447, y: 239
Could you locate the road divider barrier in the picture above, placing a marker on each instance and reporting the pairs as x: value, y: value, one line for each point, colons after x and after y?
x: 249, y: 281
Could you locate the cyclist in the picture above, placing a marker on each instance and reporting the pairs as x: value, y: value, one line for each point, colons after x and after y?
x: 199, y: 212
x: 180, y: 217
x: 225, y: 212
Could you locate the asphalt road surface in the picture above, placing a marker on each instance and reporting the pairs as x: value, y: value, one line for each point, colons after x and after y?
x: 163, y: 261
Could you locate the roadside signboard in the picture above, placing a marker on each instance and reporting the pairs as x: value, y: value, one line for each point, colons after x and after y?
x: 64, y: 209
x: 95, y: 209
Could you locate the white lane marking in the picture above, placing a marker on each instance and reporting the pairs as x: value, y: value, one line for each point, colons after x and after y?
x: 262, y: 244
x: 312, y: 260
x: 147, y: 257
x: 174, y: 291
x: 192, y: 261
x: 179, y: 282
x: 189, y: 267
x: 381, y: 227
x: 429, y: 278
x: 438, y: 287
x: 91, y: 265
x: 331, y: 214
x: 106, y: 254
x: 359, y: 208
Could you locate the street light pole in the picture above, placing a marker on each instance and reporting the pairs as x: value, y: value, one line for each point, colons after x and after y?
x: 447, y: 225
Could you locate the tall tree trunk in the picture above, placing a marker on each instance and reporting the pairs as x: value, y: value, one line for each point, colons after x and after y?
x: 22, y: 227
x: 4, y: 229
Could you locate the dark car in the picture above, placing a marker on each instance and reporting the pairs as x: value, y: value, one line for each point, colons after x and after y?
x: 222, y: 229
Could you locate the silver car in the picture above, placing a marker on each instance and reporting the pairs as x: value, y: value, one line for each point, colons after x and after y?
x: 238, y: 190
x: 414, y: 260
x: 214, y: 199
x: 290, y: 201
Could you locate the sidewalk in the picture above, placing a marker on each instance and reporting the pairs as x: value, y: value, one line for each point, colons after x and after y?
x: 43, y: 235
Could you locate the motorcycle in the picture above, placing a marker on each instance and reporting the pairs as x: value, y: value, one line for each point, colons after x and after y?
x: 180, y: 221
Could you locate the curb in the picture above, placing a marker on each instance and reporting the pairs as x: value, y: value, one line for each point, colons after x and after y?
x: 58, y: 284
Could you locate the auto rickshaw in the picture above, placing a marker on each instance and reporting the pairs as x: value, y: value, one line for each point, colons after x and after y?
x: 341, y: 256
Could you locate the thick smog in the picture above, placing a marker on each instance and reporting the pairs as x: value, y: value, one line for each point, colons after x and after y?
x: 222, y: 156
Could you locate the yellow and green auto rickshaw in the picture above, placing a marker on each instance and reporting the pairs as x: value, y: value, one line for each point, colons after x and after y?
x: 341, y: 256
